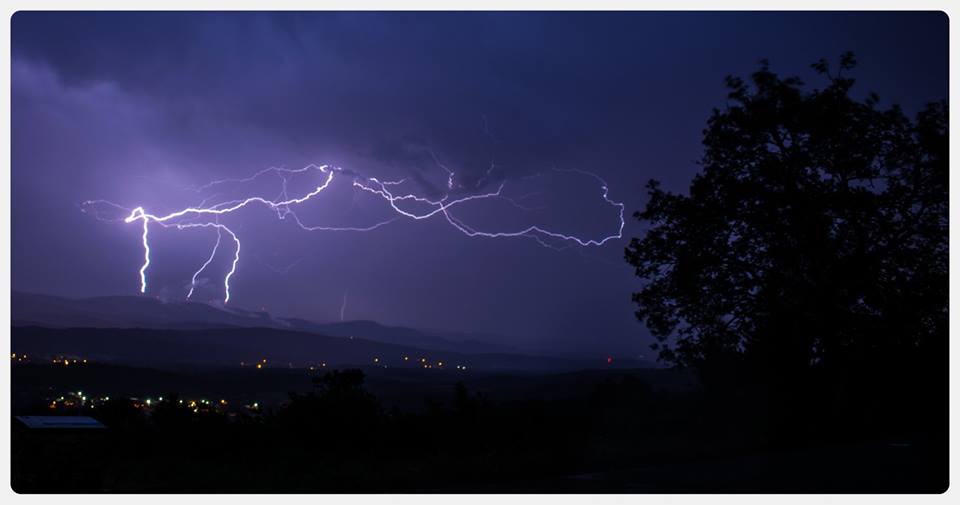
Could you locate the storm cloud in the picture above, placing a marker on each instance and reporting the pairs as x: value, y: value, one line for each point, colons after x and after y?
x: 135, y: 107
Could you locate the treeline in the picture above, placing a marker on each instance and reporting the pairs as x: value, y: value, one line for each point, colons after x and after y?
x: 338, y: 438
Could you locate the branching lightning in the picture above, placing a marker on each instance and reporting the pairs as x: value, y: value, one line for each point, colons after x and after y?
x: 193, y: 280
x: 400, y: 202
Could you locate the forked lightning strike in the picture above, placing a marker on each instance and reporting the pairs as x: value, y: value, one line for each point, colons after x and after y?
x: 284, y: 206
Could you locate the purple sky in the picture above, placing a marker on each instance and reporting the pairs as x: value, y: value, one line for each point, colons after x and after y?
x: 135, y: 107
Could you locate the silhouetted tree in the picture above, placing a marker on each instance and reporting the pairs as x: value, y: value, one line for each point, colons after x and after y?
x: 464, y: 404
x: 815, y: 237
x: 338, y: 402
x: 120, y: 413
x: 172, y: 414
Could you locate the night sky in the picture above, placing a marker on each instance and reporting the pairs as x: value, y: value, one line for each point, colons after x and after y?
x: 136, y: 108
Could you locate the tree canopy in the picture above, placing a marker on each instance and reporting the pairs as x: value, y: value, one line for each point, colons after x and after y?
x: 815, y: 236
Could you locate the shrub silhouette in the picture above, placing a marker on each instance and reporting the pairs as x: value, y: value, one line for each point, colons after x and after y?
x: 339, y: 404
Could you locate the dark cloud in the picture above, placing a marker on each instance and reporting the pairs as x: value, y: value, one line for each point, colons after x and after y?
x: 133, y: 107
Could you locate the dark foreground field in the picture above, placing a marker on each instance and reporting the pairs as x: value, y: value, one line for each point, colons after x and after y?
x: 445, y: 431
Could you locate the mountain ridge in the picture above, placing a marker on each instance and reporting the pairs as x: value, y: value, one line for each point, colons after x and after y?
x: 32, y: 309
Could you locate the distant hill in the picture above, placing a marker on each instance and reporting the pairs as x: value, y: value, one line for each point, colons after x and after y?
x: 399, y: 335
x: 125, y: 312
x: 143, y: 330
x: 150, y: 313
x: 231, y: 346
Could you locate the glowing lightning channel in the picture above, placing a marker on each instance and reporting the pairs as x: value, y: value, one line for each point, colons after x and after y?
x: 389, y: 191
x: 193, y: 281
x: 443, y: 206
x: 236, y: 253
x: 218, y: 209
x: 146, y: 258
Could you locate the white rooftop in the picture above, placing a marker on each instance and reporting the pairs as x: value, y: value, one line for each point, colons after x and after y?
x: 60, y: 422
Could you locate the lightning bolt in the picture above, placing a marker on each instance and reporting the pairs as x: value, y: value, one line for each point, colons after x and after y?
x: 193, y: 280
x: 391, y: 192
x: 146, y: 257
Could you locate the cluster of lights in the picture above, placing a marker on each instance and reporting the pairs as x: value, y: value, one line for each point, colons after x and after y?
x: 76, y: 399
x: 60, y: 360
x: 193, y: 404
x: 18, y: 358
x: 376, y: 360
x: 425, y: 363
x: 80, y: 400
x: 258, y: 365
